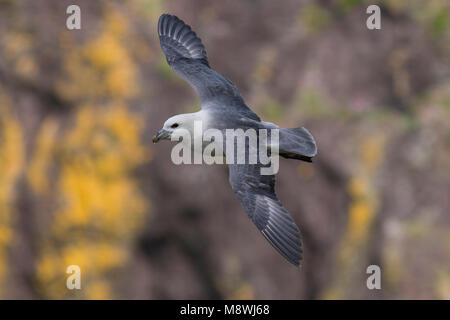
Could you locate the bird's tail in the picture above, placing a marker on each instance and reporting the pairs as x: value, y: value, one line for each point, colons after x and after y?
x: 297, y: 143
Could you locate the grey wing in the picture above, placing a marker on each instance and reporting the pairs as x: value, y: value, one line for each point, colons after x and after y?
x: 257, y: 195
x: 186, y: 55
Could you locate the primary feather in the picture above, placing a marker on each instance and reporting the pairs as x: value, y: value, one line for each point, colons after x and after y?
x: 186, y: 55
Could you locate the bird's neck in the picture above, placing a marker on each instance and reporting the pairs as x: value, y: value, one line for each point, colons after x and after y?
x: 198, y: 121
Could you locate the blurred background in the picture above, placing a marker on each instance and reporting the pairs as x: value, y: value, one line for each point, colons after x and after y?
x: 81, y: 182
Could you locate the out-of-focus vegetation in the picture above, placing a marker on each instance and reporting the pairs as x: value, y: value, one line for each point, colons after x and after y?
x: 11, y: 163
x: 81, y: 184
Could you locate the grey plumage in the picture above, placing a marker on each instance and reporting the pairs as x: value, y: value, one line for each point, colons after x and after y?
x: 187, y: 56
x: 257, y: 195
x: 297, y: 143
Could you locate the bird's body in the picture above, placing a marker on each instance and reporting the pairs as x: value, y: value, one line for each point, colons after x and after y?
x: 223, y: 108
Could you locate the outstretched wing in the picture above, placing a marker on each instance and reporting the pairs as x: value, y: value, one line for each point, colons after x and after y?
x: 186, y: 55
x: 257, y: 195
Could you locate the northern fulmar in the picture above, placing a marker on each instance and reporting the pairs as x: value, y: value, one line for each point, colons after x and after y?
x: 222, y: 108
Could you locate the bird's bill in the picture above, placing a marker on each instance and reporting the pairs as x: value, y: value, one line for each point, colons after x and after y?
x: 162, y: 134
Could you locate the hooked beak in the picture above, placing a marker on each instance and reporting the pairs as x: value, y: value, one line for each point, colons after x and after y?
x: 162, y: 134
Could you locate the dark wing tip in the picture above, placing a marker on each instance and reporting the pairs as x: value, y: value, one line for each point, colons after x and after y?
x: 179, y: 41
x: 291, y: 252
x: 280, y: 230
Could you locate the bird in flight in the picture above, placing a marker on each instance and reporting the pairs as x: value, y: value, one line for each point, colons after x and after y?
x: 222, y: 107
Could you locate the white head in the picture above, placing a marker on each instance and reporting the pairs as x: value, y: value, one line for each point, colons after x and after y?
x: 180, y: 121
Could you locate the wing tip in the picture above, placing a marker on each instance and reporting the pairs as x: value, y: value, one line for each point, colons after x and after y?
x: 294, y: 257
x: 282, y: 232
x: 176, y: 33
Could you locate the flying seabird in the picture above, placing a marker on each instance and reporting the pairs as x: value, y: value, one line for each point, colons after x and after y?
x: 222, y: 107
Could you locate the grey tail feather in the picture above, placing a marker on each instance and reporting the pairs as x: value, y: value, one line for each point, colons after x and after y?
x: 179, y: 41
x: 297, y: 143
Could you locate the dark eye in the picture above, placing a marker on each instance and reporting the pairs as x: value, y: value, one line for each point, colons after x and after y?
x: 175, y: 125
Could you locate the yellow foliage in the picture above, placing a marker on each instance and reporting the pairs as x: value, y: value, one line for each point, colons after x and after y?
x: 97, y: 196
x: 98, y: 208
x: 360, y: 218
x: 393, y: 265
x: 93, y: 257
x: 362, y: 192
x: 94, y: 260
x: 442, y: 284
x: 331, y: 293
x: 99, y: 290
x: 102, y: 67
x: 371, y: 153
x: 361, y: 212
x: 243, y: 292
x: 362, y: 208
x: 17, y: 48
x: 11, y: 163
x: 358, y: 187
x: 43, y: 154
